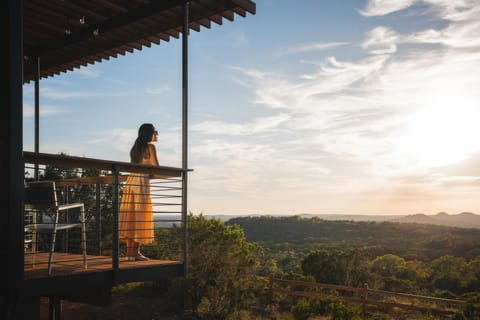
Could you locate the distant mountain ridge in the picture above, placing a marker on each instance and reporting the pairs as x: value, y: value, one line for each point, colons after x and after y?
x: 463, y: 220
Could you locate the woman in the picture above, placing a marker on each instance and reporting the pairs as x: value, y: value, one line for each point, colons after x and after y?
x: 136, y: 214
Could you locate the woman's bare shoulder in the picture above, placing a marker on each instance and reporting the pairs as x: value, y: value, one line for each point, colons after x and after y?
x: 153, y: 154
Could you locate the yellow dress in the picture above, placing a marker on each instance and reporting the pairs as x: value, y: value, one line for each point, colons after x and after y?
x: 136, y: 213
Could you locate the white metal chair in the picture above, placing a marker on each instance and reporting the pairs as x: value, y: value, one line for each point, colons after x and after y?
x: 42, y: 196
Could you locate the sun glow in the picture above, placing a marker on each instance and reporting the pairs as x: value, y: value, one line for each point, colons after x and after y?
x: 445, y: 131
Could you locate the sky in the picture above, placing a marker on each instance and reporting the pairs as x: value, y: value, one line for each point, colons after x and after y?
x: 324, y: 107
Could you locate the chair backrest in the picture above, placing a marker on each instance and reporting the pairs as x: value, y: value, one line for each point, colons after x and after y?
x: 40, y: 195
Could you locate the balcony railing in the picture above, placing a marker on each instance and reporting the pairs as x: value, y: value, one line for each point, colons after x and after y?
x: 102, y: 186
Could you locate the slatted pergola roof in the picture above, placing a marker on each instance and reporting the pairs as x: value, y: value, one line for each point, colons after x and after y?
x: 68, y: 34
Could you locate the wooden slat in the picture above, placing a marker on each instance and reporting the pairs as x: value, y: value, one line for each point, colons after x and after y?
x: 69, y: 264
x: 150, y: 21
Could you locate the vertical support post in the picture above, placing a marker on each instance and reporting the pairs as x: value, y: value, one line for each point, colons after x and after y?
x: 54, y: 308
x: 116, y: 210
x: 185, y: 31
x: 11, y: 162
x: 37, y: 113
x: 364, y: 300
x: 270, y: 289
x: 67, y: 191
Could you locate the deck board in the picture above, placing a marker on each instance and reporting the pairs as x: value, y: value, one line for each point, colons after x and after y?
x: 65, y: 264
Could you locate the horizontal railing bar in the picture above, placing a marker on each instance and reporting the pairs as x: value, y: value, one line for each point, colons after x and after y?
x: 165, y: 180
x: 407, y: 295
x: 318, y: 285
x: 177, y: 212
x: 365, y: 293
x: 309, y: 294
x: 81, y: 162
x: 166, y: 196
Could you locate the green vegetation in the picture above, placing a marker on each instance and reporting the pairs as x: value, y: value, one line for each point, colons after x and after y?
x: 408, y: 240
x: 228, y: 265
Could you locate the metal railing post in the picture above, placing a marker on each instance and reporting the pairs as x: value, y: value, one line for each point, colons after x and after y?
x: 37, y: 113
x: 116, y: 209
x: 364, y: 299
x: 270, y: 289
x: 98, y: 218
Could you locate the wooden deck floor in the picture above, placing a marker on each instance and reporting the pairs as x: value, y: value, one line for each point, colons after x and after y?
x: 67, y: 264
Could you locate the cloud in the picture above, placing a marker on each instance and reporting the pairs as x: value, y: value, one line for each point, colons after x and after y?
x: 384, y: 7
x: 88, y: 72
x: 246, y: 166
x: 459, y: 181
x: 312, y: 47
x: 466, y: 168
x: 158, y: 90
x: 459, y: 35
x: 259, y: 125
x: 462, y: 29
x: 381, y: 40
x: 55, y: 93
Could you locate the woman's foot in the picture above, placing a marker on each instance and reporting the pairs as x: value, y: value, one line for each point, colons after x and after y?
x: 140, y: 257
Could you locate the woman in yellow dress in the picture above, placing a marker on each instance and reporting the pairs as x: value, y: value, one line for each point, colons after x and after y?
x: 136, y: 213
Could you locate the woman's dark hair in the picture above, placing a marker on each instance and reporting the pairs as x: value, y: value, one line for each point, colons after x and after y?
x: 145, y: 133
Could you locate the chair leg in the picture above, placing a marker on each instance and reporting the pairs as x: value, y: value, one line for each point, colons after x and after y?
x: 52, y: 247
x: 34, y: 238
x: 34, y: 247
x: 84, y: 237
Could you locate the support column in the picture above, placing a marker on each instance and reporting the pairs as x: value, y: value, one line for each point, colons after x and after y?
x: 37, y: 113
x: 11, y: 163
x: 185, y: 32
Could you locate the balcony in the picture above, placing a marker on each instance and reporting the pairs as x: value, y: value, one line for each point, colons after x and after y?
x: 99, y: 185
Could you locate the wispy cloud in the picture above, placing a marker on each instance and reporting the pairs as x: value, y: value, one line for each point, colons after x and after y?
x: 259, y: 125
x: 462, y: 30
x: 381, y: 40
x: 311, y: 47
x: 89, y: 72
x: 56, y: 93
x: 383, y: 7
x: 466, y: 168
x: 158, y: 89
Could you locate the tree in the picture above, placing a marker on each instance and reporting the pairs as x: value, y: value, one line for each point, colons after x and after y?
x: 449, y: 273
x: 337, y: 267
x: 220, y: 278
